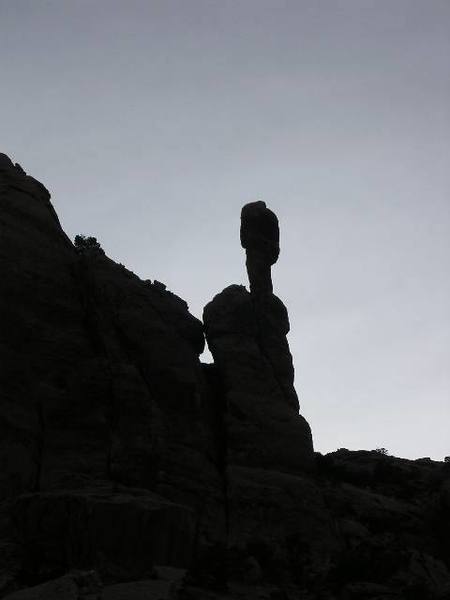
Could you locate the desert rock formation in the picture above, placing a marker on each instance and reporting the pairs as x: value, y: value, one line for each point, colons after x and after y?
x: 129, y: 469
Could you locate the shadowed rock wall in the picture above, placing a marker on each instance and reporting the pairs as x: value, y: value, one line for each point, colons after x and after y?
x: 102, y: 394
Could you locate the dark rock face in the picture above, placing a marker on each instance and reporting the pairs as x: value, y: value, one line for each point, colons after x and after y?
x: 120, y: 452
x: 101, y: 386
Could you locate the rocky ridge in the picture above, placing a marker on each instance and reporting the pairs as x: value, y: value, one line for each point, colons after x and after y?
x: 129, y: 469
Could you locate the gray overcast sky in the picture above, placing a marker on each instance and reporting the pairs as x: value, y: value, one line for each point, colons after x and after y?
x: 153, y: 122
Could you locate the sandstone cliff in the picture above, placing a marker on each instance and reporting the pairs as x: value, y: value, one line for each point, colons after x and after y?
x: 128, y: 469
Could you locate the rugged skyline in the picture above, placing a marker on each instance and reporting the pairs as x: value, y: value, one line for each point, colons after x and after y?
x: 152, y: 123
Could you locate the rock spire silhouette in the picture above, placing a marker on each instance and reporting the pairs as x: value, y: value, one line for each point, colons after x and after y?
x: 260, y: 236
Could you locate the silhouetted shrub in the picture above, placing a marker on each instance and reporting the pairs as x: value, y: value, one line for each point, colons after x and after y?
x: 382, y: 451
x: 82, y: 242
x: 447, y: 459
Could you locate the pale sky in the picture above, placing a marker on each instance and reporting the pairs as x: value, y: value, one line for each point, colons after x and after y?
x: 153, y: 122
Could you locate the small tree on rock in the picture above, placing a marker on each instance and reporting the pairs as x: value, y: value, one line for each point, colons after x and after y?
x: 382, y: 451
x: 82, y: 242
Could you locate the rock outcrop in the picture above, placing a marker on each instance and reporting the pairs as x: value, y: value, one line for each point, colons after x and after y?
x: 129, y: 469
x: 268, y: 444
x: 247, y: 338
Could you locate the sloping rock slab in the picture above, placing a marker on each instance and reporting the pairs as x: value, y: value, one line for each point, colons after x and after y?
x: 73, y: 586
x: 165, y: 587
